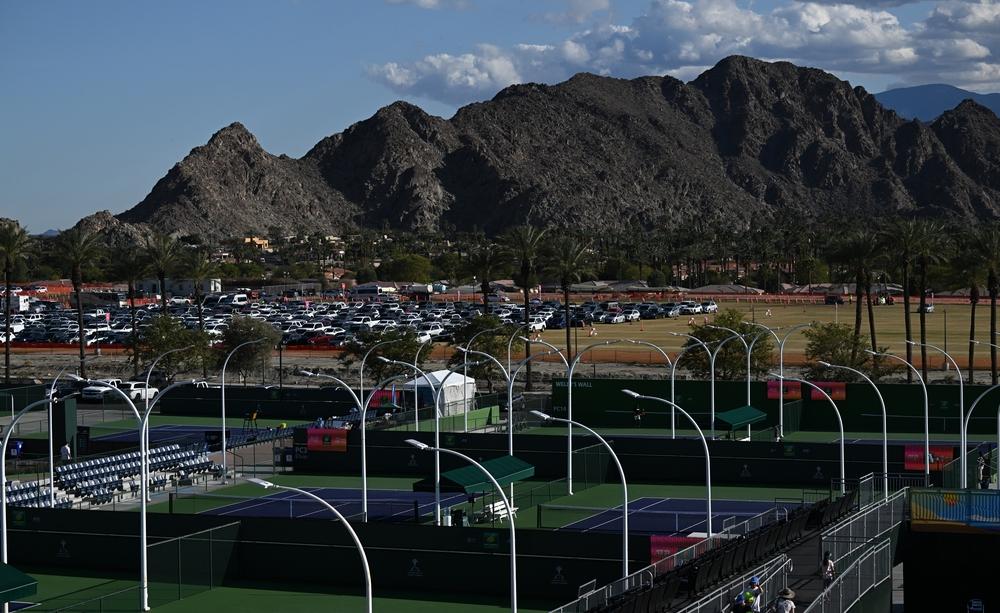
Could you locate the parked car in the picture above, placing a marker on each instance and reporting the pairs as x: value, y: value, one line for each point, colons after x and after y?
x: 137, y: 390
x: 928, y: 308
x: 709, y: 307
x: 98, y: 393
x: 833, y: 299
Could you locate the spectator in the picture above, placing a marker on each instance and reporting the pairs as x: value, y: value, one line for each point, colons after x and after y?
x: 757, y: 592
x: 984, y: 473
x: 786, y: 601
x: 65, y: 455
x: 742, y: 605
x: 637, y: 414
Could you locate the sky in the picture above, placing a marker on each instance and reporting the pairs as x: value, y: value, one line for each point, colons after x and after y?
x: 99, y: 99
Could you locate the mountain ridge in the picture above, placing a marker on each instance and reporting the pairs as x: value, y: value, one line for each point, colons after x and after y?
x: 745, y: 139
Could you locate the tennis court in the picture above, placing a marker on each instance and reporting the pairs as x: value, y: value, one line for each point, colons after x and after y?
x: 192, y: 434
x: 392, y: 505
x: 657, y: 515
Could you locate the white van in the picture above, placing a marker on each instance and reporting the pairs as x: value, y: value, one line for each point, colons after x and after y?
x: 240, y: 300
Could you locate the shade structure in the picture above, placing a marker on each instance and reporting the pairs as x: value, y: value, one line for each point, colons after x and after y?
x: 14, y: 584
x: 741, y: 417
x: 470, y: 480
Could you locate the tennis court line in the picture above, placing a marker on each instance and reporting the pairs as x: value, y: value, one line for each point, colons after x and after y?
x: 617, y: 508
x: 263, y: 501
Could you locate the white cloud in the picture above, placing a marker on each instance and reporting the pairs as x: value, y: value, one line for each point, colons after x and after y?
x: 577, y: 11
x: 956, y: 43
x: 431, y: 4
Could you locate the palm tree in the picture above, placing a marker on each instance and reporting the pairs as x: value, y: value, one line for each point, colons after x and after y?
x: 162, y: 252
x: 568, y: 262
x: 14, y: 244
x: 904, y: 236
x: 524, y: 246
x: 130, y: 265
x: 988, y: 250
x: 486, y: 259
x: 198, y: 267
x: 79, y: 248
x: 857, y: 250
x: 929, y: 251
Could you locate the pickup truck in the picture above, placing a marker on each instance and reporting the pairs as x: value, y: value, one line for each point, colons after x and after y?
x: 136, y: 390
x: 97, y: 393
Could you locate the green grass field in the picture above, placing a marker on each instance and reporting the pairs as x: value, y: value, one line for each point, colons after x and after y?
x: 889, y: 327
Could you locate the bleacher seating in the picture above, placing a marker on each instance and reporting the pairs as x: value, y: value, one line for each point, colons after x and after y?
x: 99, y: 480
x: 33, y: 494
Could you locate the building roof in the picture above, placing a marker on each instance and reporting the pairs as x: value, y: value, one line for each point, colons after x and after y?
x: 471, y: 480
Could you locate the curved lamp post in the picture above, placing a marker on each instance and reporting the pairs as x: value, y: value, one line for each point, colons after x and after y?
x: 781, y: 374
x: 510, y: 342
x: 927, y: 424
x: 363, y: 409
x: 711, y: 368
x: 748, y: 347
x: 964, y: 481
x: 569, y: 408
x: 621, y: 473
x: 673, y: 372
x: 465, y: 371
x: 361, y: 374
x: 225, y: 363
x: 968, y: 418
x: 52, y: 453
x: 704, y: 444
x: 354, y: 535
x: 885, y: 430
x: 673, y: 429
x: 149, y: 373
x: 506, y: 502
x: 840, y: 424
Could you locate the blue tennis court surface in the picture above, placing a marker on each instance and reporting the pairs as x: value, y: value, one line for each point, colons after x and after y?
x: 397, y: 505
x: 673, y: 515
x: 187, y: 434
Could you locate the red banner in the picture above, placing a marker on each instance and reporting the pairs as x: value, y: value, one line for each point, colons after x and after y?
x: 326, y: 439
x: 665, y: 546
x: 836, y: 390
x: 792, y: 390
x: 940, y: 455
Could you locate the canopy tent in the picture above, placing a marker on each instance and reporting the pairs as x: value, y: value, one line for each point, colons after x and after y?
x: 470, y: 480
x: 453, y: 396
x: 743, y: 416
x: 14, y: 584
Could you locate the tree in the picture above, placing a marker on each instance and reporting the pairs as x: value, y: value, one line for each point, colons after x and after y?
x: 732, y: 358
x: 129, y: 264
x: 988, y: 249
x: 929, y: 250
x: 78, y: 249
x: 968, y: 265
x: 166, y: 333
x: 162, y: 252
x: 493, y: 343
x: 857, y: 250
x: 405, y: 348
x: 198, y: 268
x: 836, y: 344
x: 407, y: 267
x: 903, y: 237
x: 486, y: 259
x: 524, y: 247
x: 247, y: 359
x: 14, y: 244
x: 568, y: 261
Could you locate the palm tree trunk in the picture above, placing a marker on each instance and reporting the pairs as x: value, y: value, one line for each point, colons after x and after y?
x: 906, y: 320
x: 569, y: 346
x: 135, y: 333
x: 6, y: 325
x: 527, y: 345
x: 973, y: 300
x: 163, y: 291
x: 201, y: 324
x: 81, y: 336
x: 923, y: 318
x: 858, y: 292
x: 871, y: 311
x: 993, y: 325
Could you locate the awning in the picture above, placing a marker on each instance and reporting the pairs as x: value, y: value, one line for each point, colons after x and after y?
x: 743, y: 416
x: 14, y: 584
x: 471, y: 480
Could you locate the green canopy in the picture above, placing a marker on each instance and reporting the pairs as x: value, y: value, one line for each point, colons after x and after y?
x: 14, y: 584
x: 741, y: 417
x: 471, y: 480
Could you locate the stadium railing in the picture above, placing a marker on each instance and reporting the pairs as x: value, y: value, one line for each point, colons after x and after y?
x: 851, y: 537
x: 867, y: 572
x: 773, y: 577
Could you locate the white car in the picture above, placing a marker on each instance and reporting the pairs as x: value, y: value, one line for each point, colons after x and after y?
x: 616, y: 318
x: 423, y: 337
x: 97, y: 393
x: 631, y: 315
x: 710, y: 307
x: 137, y: 390
x: 434, y: 329
x: 537, y: 324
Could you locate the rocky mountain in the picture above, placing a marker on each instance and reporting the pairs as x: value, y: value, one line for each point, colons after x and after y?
x: 927, y: 102
x: 745, y: 139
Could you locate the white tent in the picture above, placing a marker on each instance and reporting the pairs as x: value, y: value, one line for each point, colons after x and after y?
x: 452, y: 398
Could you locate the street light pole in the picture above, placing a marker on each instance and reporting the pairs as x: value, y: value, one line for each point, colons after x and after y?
x: 361, y: 375
x: 748, y: 347
x: 149, y: 373
x: 704, y: 444
x: 673, y: 430
x: 885, y: 427
x: 52, y: 453
x: 927, y: 421
x: 347, y: 524
x: 465, y: 371
x: 781, y: 375
x: 621, y: 473
x: 673, y: 373
x: 225, y: 363
x: 964, y: 480
x: 968, y: 418
x: 506, y: 502
x: 840, y: 423
x: 569, y: 409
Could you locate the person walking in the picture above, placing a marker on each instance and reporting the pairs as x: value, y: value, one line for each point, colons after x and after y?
x: 757, y: 594
x: 65, y: 454
x: 826, y: 569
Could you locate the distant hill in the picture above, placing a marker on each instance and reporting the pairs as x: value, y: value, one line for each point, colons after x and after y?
x: 927, y: 102
x: 745, y: 140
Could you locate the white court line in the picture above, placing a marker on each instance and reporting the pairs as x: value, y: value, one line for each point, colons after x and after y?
x: 604, y: 523
x: 266, y: 500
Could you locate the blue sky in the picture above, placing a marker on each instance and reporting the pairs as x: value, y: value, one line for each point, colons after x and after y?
x: 101, y: 98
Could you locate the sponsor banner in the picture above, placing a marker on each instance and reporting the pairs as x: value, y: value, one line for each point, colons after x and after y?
x: 792, y: 390
x: 836, y: 389
x: 940, y: 455
x: 661, y: 546
x: 326, y: 439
